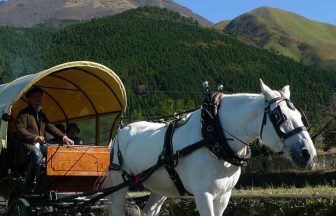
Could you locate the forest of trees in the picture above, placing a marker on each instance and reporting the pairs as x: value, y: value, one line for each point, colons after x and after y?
x: 155, y: 50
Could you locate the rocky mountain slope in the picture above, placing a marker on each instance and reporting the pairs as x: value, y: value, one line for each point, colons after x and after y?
x: 27, y: 13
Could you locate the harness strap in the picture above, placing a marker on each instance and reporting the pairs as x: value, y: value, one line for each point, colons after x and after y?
x: 134, y: 180
x: 143, y: 176
x: 170, y: 162
x: 167, y: 159
x: 293, y: 132
x: 193, y: 147
x: 211, y: 127
x: 277, y: 118
x: 264, y: 121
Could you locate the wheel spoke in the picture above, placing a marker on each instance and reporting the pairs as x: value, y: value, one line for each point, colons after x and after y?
x: 18, y: 208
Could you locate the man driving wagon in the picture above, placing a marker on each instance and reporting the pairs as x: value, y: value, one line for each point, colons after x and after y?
x: 32, y: 124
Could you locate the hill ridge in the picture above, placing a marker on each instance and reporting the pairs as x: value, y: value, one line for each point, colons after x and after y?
x: 289, y: 34
x: 23, y: 13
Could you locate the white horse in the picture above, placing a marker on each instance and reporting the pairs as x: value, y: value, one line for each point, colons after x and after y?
x: 209, y: 179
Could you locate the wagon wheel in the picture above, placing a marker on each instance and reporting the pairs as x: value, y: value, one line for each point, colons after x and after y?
x: 19, y: 207
x: 44, y: 210
x: 89, y: 214
x: 131, y: 208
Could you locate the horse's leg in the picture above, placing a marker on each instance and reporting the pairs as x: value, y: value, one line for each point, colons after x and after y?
x: 204, y: 203
x: 221, y: 202
x: 154, y: 204
x: 116, y: 199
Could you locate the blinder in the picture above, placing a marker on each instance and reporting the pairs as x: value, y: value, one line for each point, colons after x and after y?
x: 277, y: 118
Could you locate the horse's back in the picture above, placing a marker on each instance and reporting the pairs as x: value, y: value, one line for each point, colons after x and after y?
x: 140, y: 144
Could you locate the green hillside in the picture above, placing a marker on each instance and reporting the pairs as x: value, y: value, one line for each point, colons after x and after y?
x: 55, y: 24
x: 158, y: 50
x: 221, y: 25
x: 286, y: 33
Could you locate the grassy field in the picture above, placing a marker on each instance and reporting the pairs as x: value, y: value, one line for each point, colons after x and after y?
x: 317, y: 201
x: 261, y: 201
x: 285, y: 201
x: 321, y: 190
x: 308, y: 191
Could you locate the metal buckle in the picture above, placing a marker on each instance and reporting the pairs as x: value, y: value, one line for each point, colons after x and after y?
x: 210, y: 128
x: 216, y: 149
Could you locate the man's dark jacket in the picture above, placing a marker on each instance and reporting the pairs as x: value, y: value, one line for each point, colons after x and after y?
x: 32, y: 123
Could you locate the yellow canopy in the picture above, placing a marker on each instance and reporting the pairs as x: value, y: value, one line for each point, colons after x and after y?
x: 72, y: 90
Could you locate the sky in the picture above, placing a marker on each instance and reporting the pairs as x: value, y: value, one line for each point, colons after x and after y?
x: 218, y: 10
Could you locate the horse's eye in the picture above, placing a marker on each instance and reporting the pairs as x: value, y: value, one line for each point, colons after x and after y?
x: 290, y: 105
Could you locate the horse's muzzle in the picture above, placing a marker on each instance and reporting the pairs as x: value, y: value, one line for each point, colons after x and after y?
x: 303, y: 155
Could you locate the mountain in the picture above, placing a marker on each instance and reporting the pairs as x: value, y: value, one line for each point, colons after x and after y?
x: 221, y: 25
x: 289, y: 34
x: 24, y: 13
x: 162, y: 58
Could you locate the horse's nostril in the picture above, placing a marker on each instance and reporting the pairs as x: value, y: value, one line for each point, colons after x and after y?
x: 305, y: 154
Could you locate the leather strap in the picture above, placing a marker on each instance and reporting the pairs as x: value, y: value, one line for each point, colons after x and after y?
x: 170, y: 162
x: 276, y: 121
x: 211, y: 127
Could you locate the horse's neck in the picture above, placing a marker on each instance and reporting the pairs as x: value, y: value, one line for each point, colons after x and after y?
x: 241, y: 115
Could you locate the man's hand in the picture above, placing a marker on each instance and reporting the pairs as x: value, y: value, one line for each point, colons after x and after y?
x: 40, y: 139
x: 68, y: 141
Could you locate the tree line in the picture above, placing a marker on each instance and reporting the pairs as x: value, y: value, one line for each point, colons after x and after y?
x: 154, y: 49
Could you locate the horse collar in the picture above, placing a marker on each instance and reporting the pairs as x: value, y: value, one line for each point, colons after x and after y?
x: 211, y: 127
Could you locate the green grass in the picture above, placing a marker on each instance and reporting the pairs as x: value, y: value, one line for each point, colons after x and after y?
x: 258, y: 206
x: 320, y: 190
x: 308, y: 190
x: 289, y: 206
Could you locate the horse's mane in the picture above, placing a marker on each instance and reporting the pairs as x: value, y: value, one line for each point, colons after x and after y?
x: 243, y: 95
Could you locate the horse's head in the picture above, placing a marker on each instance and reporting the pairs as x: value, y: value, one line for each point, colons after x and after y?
x: 284, y: 127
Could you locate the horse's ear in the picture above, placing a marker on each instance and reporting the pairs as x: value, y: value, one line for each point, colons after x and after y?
x: 268, y: 93
x: 285, y: 91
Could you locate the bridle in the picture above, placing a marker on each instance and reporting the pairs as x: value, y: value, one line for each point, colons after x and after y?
x: 211, y: 127
x: 277, y: 117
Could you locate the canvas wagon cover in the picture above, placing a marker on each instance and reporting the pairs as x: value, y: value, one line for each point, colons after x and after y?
x: 72, y: 90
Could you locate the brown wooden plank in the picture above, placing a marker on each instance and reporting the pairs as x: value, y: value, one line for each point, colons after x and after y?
x: 77, y: 160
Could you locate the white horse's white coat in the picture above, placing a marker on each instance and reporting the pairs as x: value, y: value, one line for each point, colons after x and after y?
x: 210, y: 180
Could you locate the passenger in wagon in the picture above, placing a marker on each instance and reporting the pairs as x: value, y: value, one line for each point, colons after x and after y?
x: 32, y: 124
x: 54, y: 140
x: 72, y: 132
